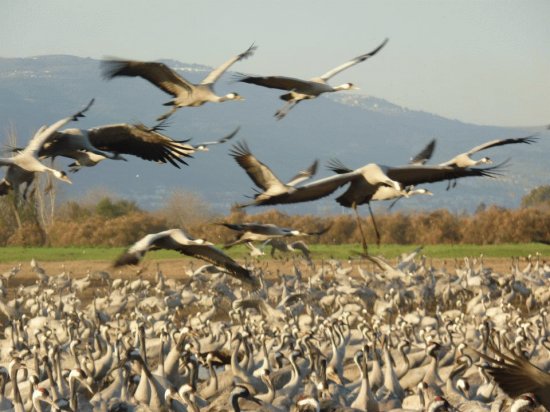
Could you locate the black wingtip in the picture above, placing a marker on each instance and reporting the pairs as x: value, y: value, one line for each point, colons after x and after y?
x: 80, y: 114
x: 112, y: 67
x: 239, y: 149
x: 372, y: 53
x: 126, y: 259
x: 245, y: 276
x: 249, y: 52
x: 239, y: 77
x: 161, y: 125
x: 496, y: 170
x: 335, y: 165
x: 233, y: 133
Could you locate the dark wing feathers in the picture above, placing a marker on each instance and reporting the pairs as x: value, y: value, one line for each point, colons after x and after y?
x: 277, y: 82
x: 312, y: 191
x: 494, y: 143
x: 217, y: 257
x: 517, y: 376
x: 337, y: 166
x: 352, y: 62
x: 127, y: 259
x: 259, y: 228
x: 304, y: 174
x: 413, y: 175
x: 424, y: 155
x: 260, y: 174
x: 156, y: 73
x: 233, y: 226
x: 141, y: 141
x: 219, y: 141
x: 207, y: 253
x: 321, y: 231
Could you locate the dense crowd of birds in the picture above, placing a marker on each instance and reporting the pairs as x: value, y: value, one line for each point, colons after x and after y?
x: 316, y: 336
x: 328, y: 336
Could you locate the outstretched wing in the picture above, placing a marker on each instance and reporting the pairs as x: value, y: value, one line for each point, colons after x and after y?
x: 321, y: 231
x: 136, y: 252
x: 203, y: 145
x: 141, y: 141
x: 312, y: 191
x: 260, y: 174
x: 215, y: 256
x: 304, y: 174
x: 413, y: 175
x: 216, y: 73
x: 516, y: 376
x: 424, y: 155
x: 502, y: 142
x: 36, y: 143
x: 279, y: 82
x: 259, y: 228
x: 156, y: 73
x: 352, y: 62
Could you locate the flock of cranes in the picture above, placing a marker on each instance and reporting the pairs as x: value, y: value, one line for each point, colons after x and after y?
x: 359, y: 186
x: 323, y: 336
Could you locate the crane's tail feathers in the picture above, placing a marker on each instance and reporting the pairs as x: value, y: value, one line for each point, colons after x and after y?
x: 496, y: 170
x: 238, y: 77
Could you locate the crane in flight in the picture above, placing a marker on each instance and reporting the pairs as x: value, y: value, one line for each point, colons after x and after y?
x: 299, y: 89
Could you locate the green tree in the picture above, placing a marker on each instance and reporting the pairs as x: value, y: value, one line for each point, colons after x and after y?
x: 539, y: 196
x: 110, y: 209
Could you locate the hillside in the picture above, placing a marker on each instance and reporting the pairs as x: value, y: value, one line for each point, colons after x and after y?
x: 355, y: 128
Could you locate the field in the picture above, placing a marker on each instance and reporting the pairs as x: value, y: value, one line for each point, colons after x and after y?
x: 59, y: 254
x: 497, y: 256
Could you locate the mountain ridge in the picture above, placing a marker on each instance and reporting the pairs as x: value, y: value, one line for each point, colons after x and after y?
x: 355, y: 128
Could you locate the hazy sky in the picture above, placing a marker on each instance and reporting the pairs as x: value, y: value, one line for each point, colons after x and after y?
x: 482, y: 61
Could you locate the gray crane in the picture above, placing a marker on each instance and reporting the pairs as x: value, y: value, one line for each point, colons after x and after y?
x: 27, y: 159
x: 362, y: 191
x: 262, y: 175
x: 306, y: 89
x: 178, y: 240
x: 464, y: 159
x: 249, y: 232
x: 185, y: 93
x: 89, y: 147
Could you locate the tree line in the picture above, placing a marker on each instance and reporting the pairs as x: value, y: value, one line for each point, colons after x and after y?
x: 105, y: 220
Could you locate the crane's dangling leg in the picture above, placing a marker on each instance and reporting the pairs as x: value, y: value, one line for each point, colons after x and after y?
x: 363, y: 239
x: 374, y: 224
x: 282, y: 112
